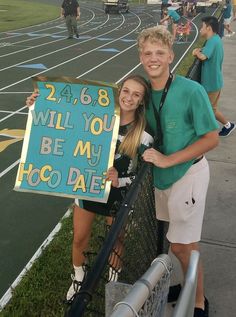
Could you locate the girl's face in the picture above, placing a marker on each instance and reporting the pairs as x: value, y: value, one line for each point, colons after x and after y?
x: 131, y: 95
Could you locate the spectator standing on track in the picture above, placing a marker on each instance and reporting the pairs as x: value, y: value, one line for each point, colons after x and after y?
x: 133, y: 137
x: 174, y: 17
x: 70, y: 10
x: 163, y: 21
x: 234, y: 10
x: 164, y: 4
x: 227, y: 14
x: 212, y: 55
x: 191, y: 8
x: 181, y: 118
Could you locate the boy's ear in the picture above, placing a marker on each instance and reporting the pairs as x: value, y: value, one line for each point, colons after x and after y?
x: 140, y: 58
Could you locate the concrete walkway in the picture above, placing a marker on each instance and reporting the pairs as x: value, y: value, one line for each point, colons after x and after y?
x: 218, y: 245
x: 219, y: 230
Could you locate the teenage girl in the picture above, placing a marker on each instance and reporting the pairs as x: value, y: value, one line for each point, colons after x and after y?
x: 133, y: 137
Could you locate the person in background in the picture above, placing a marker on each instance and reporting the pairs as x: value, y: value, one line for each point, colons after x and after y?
x: 174, y: 17
x: 227, y: 14
x: 164, y: 5
x: 163, y: 21
x: 191, y: 8
x: 212, y: 55
x: 70, y: 10
x: 181, y: 118
x: 234, y: 10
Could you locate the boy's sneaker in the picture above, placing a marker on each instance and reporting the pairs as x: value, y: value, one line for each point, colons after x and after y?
x: 198, y: 312
x: 226, y: 131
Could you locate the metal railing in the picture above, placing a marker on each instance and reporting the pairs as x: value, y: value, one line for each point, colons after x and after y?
x: 134, y: 230
x: 186, y: 302
x: 148, y: 295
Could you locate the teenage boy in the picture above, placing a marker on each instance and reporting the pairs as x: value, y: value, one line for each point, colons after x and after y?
x: 212, y: 55
x: 185, y: 127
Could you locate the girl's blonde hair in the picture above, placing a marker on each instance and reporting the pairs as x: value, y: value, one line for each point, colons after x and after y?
x: 129, y: 146
x: 155, y: 34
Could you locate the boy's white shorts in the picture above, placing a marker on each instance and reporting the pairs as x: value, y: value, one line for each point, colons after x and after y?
x: 183, y: 204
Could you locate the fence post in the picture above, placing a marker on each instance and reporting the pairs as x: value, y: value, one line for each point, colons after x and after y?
x: 186, y: 302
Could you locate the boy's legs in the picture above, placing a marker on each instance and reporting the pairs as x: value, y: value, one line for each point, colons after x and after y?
x: 214, y: 98
x: 183, y: 252
x: 183, y: 206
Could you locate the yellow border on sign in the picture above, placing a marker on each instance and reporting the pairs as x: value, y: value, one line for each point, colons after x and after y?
x: 65, y: 79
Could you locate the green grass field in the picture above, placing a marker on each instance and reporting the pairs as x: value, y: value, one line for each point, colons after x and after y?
x: 15, y: 14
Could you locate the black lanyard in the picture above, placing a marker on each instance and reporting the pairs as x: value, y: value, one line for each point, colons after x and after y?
x: 158, y: 138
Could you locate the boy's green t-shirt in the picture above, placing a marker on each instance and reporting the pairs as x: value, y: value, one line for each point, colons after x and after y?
x: 211, y: 73
x: 185, y: 116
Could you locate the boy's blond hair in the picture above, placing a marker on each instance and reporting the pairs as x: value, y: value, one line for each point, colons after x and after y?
x: 155, y: 34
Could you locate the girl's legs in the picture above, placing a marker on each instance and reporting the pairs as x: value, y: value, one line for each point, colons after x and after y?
x: 115, y: 257
x: 82, y: 223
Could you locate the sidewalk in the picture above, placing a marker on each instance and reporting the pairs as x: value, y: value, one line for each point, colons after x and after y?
x: 218, y: 245
x: 219, y: 230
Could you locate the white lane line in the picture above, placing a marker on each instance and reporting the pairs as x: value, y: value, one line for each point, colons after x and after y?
x: 9, y: 168
x: 195, y: 38
x: 30, y: 27
x: 43, y: 35
x: 54, y: 41
x: 3, y: 119
x: 8, y: 294
x: 76, y: 57
x: 14, y: 92
x: 12, y: 114
x: 107, y: 60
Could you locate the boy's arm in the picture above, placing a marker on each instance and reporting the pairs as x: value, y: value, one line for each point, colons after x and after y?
x: 164, y: 19
x: 206, y: 143
x: 198, y: 53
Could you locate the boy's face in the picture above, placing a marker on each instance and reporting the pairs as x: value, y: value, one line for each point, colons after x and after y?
x: 204, y: 31
x: 156, y: 59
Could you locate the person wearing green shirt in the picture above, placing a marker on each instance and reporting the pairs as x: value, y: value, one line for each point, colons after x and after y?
x: 185, y: 128
x: 173, y: 16
x: 212, y: 55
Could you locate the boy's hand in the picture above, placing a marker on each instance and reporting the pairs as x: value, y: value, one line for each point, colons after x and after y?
x: 156, y: 158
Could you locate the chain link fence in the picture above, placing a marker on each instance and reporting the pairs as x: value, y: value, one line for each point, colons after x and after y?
x: 126, y: 250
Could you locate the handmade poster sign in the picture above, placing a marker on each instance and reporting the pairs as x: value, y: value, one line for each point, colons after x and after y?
x: 70, y: 139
